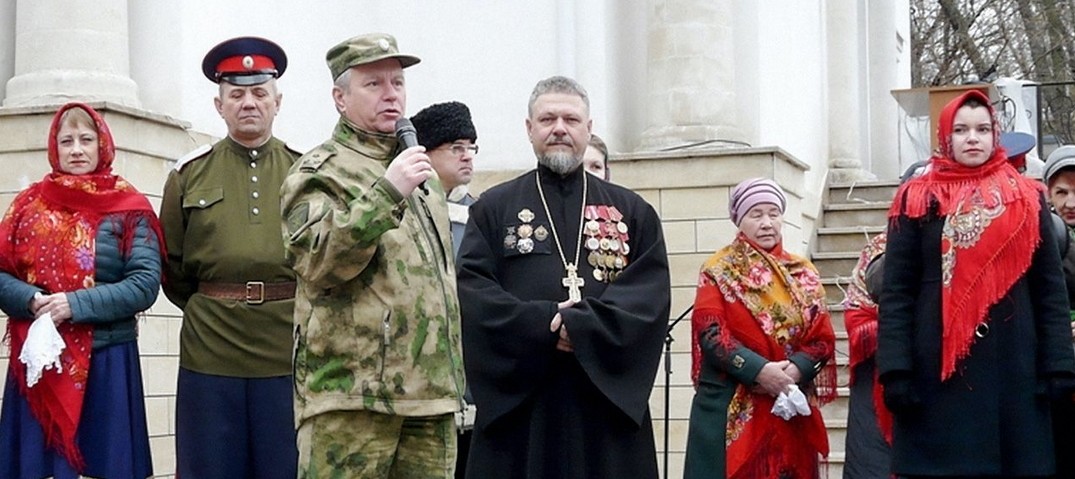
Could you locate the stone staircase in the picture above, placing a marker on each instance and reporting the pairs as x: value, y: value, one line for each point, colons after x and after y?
x: 853, y: 213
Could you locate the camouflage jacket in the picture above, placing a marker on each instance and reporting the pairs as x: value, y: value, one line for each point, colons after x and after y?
x: 376, y: 314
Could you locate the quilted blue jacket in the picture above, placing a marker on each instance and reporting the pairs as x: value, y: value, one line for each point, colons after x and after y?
x: 125, y: 286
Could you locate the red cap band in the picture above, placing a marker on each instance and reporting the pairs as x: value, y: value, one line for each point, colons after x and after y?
x: 244, y: 63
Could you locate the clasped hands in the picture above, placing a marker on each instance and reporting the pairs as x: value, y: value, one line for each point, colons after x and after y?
x: 54, y: 304
x: 557, y: 324
x: 776, y: 376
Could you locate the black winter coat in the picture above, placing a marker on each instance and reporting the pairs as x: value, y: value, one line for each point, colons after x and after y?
x: 991, y: 417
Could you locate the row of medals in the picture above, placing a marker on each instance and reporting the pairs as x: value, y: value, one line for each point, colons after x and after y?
x: 607, y: 249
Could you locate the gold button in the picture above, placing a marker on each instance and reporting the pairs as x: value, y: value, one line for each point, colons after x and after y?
x: 255, y: 194
x: 201, y: 202
x: 255, y: 211
x: 254, y: 179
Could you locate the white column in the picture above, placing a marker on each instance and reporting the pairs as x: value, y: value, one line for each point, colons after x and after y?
x: 71, y: 50
x: 691, y: 73
x: 846, y: 119
x: 886, y: 52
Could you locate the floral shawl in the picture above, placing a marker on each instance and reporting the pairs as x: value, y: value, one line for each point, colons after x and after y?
x: 860, y: 316
x: 775, y: 306
x: 989, y: 235
x: 48, y: 239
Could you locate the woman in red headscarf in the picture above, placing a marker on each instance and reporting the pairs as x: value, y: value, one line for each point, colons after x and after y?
x: 973, y: 332
x: 81, y: 247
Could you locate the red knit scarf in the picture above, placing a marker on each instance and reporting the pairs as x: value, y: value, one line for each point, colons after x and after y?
x: 47, y: 239
x: 783, y: 312
x: 990, y: 231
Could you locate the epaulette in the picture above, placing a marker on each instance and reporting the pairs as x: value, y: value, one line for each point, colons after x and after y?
x: 194, y: 154
x: 313, y: 160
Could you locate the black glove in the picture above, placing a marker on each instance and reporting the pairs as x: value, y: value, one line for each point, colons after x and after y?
x: 1061, y: 387
x: 899, y: 393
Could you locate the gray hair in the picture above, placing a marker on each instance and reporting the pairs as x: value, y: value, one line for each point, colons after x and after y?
x: 557, y: 84
x: 343, y: 81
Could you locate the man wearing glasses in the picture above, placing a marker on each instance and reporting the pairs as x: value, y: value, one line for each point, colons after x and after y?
x: 448, y: 134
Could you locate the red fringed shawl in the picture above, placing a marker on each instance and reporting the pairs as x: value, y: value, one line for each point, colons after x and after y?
x: 772, y: 303
x: 47, y: 239
x: 990, y: 222
x: 860, y: 318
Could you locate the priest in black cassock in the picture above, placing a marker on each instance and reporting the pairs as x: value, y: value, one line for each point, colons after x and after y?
x: 564, y: 289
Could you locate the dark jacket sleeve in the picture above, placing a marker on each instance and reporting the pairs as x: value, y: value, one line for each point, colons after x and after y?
x: 902, y: 284
x: 135, y: 287
x: 15, y: 296
x: 738, y: 361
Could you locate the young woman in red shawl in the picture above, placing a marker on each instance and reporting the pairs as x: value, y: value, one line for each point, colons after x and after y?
x: 760, y: 328
x: 973, y: 332
x: 83, y: 247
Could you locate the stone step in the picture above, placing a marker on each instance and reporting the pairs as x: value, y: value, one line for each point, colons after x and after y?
x: 857, y: 215
x: 862, y: 191
x: 837, y: 264
x: 832, y: 467
x: 837, y: 313
x: 845, y: 239
x: 835, y: 287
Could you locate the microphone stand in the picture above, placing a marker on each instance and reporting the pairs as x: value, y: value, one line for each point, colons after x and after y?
x: 667, y: 381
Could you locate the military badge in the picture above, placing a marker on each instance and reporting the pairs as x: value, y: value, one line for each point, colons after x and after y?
x: 607, y: 240
x: 525, y: 215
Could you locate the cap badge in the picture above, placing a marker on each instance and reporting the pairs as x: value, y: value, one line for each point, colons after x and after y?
x: 383, y: 44
x: 248, y: 62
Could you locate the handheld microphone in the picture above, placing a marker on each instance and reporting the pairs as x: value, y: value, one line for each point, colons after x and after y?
x: 409, y: 137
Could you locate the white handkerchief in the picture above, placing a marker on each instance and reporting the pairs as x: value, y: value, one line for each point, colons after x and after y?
x: 791, y: 403
x: 42, y: 349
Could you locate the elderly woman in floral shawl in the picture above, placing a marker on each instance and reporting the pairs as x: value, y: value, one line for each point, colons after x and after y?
x: 81, y: 247
x: 973, y: 332
x: 760, y: 332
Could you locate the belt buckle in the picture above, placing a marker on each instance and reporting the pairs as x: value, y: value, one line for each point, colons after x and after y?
x: 255, y: 292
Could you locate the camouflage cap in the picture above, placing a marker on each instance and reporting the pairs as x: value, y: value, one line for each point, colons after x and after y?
x: 365, y: 49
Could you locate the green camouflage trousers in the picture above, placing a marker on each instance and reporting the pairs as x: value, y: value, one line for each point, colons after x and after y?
x: 364, y: 444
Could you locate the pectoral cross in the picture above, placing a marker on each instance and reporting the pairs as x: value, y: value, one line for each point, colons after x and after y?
x: 573, y: 282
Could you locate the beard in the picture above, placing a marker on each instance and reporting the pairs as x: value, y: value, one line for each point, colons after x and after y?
x: 559, y: 162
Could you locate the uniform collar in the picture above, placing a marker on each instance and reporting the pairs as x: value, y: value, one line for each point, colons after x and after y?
x: 378, y: 146
x: 250, y: 153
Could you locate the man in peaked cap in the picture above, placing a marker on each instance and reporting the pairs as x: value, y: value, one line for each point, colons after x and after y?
x: 378, y: 355
x: 227, y: 272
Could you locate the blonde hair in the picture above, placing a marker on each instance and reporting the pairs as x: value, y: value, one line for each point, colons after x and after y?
x: 76, y: 117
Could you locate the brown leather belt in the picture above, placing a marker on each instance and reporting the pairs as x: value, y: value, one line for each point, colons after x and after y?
x: 253, y: 292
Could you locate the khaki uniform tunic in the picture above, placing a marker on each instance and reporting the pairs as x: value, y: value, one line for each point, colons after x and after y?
x: 221, y: 220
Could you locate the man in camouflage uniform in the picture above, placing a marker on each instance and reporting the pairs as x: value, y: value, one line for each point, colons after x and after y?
x: 378, y: 361
x: 227, y: 271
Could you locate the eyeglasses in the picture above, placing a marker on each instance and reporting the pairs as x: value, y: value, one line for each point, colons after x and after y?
x: 461, y: 149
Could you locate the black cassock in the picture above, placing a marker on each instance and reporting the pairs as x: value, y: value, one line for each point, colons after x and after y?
x: 543, y: 412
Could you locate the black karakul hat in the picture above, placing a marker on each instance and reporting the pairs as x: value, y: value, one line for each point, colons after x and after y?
x: 444, y: 123
x: 244, y: 61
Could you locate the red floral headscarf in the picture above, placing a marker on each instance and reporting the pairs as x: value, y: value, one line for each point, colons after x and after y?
x: 984, y: 249
x: 48, y: 240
